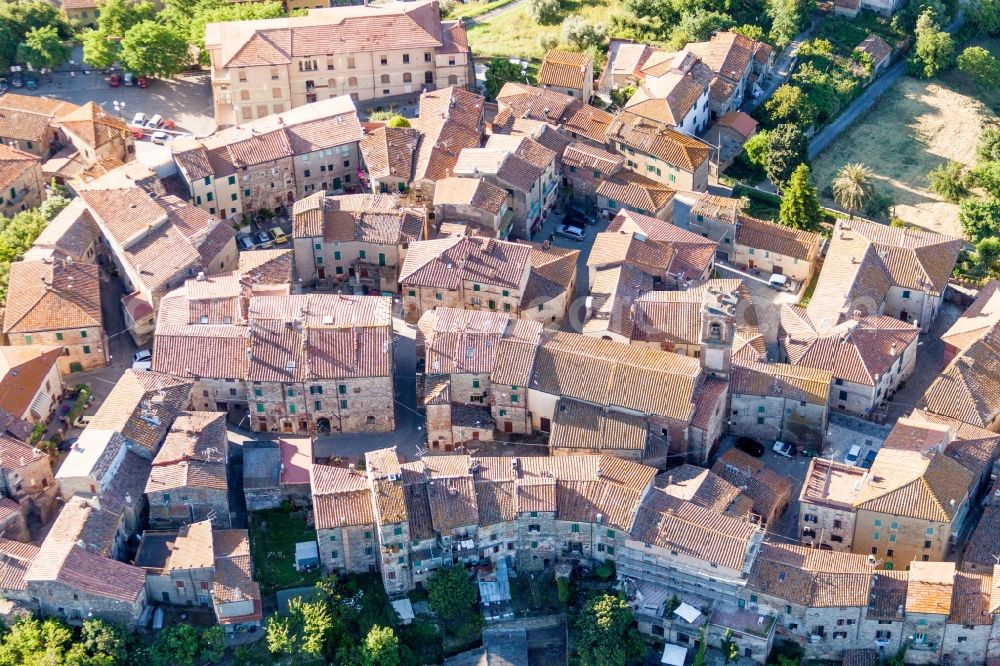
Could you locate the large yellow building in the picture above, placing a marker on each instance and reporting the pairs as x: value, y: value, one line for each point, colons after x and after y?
x: 268, y: 66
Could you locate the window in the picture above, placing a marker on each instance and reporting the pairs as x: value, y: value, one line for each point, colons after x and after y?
x: 810, y: 518
x: 407, y: 77
x: 890, y: 552
x: 930, y: 531
x: 788, y: 610
x: 874, y: 550
x: 333, y: 537
x: 242, y: 75
x: 397, y: 531
x: 575, y: 529
x: 315, y: 390
x: 368, y: 535
x: 343, y: 404
x: 906, y: 293
x: 878, y: 523
x: 291, y: 409
x: 611, y: 534
x: 384, y: 60
x: 428, y: 77
x: 892, y: 537
x: 876, y: 536
x: 437, y: 296
x: 475, y: 383
x: 27, y: 339
x: 838, y: 382
x: 515, y: 399
x: 837, y: 524
x: 385, y: 79
x: 86, y: 349
x: 534, y: 514
x: 927, y: 544
x: 244, y: 95
x: 83, y: 334
x: 260, y: 407
x: 842, y: 395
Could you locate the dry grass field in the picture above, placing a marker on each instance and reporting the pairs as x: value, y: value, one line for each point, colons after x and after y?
x: 916, y: 126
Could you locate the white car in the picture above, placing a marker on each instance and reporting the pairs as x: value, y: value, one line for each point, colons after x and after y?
x: 851, y: 457
x: 568, y: 231
x: 139, y: 119
x: 784, y: 450
x: 142, y: 360
x: 154, y: 122
x: 159, y: 138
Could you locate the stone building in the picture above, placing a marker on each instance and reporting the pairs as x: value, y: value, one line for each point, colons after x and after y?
x: 21, y: 183
x: 72, y: 234
x: 56, y: 303
x: 770, y: 492
x: 585, y: 168
x: 674, y: 90
x: 30, y: 123
x: 739, y: 64
x: 345, y: 525
x: 273, y: 161
x: 256, y: 72
x: 358, y: 238
x: 827, y: 504
x: 868, y: 356
x: 965, y: 390
x: 27, y: 477
x: 976, y: 322
x: 573, y: 118
x: 187, y: 482
x: 301, y: 363
x: 388, y: 154
x: 657, y: 151
x: 262, y: 475
x: 476, y: 203
x: 568, y: 72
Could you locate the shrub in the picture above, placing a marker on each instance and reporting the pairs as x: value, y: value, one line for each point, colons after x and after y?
x: 544, y: 11
x: 580, y: 33
x: 949, y: 180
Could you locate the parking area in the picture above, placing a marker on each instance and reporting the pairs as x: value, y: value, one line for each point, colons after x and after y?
x: 186, y: 99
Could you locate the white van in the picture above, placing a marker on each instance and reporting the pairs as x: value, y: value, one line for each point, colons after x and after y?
x: 851, y: 458
x: 139, y: 119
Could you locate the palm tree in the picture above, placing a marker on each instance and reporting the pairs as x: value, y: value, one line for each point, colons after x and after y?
x: 853, y: 188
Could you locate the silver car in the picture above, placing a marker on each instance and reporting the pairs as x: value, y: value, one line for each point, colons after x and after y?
x: 568, y: 231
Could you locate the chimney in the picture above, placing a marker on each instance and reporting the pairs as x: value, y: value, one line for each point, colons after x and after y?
x: 95, y: 502
x: 856, y: 316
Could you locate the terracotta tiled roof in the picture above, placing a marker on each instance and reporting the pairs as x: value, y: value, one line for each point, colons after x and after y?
x: 467, y: 341
x: 13, y: 163
x: 27, y: 117
x: 710, y: 402
x: 496, y: 502
x: 614, y: 291
x: 445, y: 263
x: 777, y: 238
x: 69, y: 234
x: 566, y: 69
x: 474, y: 192
x: 331, y: 31
x: 683, y: 254
x: 659, y: 140
x: 968, y: 390
x: 83, y: 570
x: 142, y: 406
x: 876, y: 47
x: 267, y: 267
x: 637, y: 192
x: 930, y: 588
x: 341, y: 497
x: 859, y: 351
x: 913, y: 258
x: 728, y: 53
x: 723, y: 209
x: 452, y: 503
x: 984, y: 541
x: 741, y: 122
x: 23, y: 371
x: 910, y: 483
x: 978, y: 319
x: 597, y: 502
x: 888, y: 597
x: 233, y: 568
x: 781, y: 379
x: 770, y: 491
x: 672, y: 90
x: 691, y: 530
x: 524, y: 101
x: 56, y: 295
x: 389, y: 152
x: 700, y: 486
x: 609, y: 373
x: 580, y: 425
x: 194, y: 454
x: 95, y: 127
x: 452, y: 104
x: 585, y: 156
x: 14, y: 563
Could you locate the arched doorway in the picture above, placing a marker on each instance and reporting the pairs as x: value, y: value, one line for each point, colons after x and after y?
x: 323, y: 425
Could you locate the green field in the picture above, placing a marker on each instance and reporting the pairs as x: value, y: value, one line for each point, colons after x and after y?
x: 513, y: 33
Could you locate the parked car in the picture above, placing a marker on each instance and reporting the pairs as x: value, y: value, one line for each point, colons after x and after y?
x: 571, y: 232
x: 16, y: 80
x: 751, y: 446
x: 160, y: 137
x: 114, y: 80
x: 129, y: 79
x: 869, y: 459
x: 31, y: 82
x: 142, y: 360
x: 852, y: 455
x: 244, y: 241
x: 142, y: 82
x: 168, y: 124
x: 262, y: 238
x: 784, y: 450
x: 154, y: 121
x: 137, y: 133
x: 279, y: 236
x: 782, y: 283
x: 67, y: 444
x: 139, y: 119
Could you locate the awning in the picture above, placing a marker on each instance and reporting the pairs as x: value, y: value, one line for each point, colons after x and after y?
x: 687, y: 612
x: 404, y: 609
x: 674, y: 655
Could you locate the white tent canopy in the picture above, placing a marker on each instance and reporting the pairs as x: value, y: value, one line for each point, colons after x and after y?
x: 687, y: 612
x: 674, y: 655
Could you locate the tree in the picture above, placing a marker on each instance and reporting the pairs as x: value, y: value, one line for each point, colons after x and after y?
x: 185, y: 645
x: 750, y: 31
x: 787, y: 17
x: 398, y: 121
x: 303, y: 631
x: 191, y: 22
x: 799, y: 204
x: 98, y: 50
x: 43, y: 47
x: 545, y: 12
x: 381, y: 647
x: 52, y: 206
x: 499, y: 72
x: 853, y: 188
x: 986, y: 176
x: 787, y: 149
x: 153, y: 48
x: 451, y: 593
x: 581, y: 33
x: 758, y: 149
x: 699, y: 656
x: 730, y: 648
x: 621, y: 96
x: 949, y: 180
x: 980, y: 218
x: 17, y: 19
x: 789, y: 104
x: 98, y: 637
x: 934, y: 47
x: 607, y: 634
x: 33, y: 642
x: 979, y: 65
x: 985, y: 14
x: 988, y: 148
x: 698, y: 25
x: 117, y: 17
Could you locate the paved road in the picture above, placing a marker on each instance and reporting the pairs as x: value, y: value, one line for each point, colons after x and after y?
x: 493, y: 13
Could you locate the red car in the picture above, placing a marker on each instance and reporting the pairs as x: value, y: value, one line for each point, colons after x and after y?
x: 137, y: 133
x: 142, y: 82
x: 114, y: 80
x: 168, y: 124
